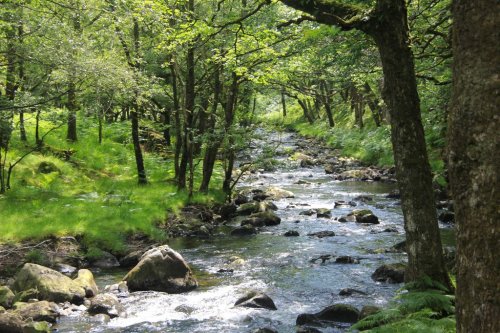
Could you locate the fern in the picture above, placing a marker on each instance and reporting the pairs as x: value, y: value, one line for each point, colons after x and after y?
x: 379, y: 318
x: 435, y: 300
x: 421, y: 306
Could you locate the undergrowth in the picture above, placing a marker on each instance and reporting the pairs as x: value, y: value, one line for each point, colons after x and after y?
x: 370, y: 144
x: 93, y: 194
x: 422, y: 306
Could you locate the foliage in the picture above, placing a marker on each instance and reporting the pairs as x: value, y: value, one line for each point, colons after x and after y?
x: 94, y: 194
x: 421, y: 306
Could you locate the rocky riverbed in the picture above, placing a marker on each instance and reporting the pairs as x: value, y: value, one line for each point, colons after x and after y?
x: 307, y: 245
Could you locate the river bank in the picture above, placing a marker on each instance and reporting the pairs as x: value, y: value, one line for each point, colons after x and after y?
x: 301, y: 273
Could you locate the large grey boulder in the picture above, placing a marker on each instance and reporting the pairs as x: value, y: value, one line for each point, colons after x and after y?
x: 161, y: 269
x: 107, y: 304
x: 49, y: 284
x: 256, y: 299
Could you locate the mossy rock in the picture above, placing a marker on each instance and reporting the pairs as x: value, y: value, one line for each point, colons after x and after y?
x: 47, y: 167
x: 50, y: 284
x: 37, y: 311
x: 6, y: 297
x: 85, y: 279
x: 361, y: 212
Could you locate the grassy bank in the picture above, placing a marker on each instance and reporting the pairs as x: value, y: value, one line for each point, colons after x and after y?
x: 94, y: 194
x: 370, y: 144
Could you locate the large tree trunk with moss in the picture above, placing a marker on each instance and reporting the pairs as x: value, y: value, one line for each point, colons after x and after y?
x: 387, y: 24
x: 474, y: 162
x: 414, y: 177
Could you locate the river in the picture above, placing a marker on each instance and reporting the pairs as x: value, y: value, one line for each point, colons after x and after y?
x: 277, y: 265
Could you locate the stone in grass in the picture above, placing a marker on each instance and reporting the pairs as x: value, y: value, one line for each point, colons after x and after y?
x: 255, y: 299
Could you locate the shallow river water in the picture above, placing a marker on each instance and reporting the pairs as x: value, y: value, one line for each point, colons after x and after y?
x: 277, y: 265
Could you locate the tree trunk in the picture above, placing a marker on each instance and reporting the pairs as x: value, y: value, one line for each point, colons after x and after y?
x: 212, y: 147
x: 166, y: 129
x: 71, y: 103
x: 423, y: 240
x: 473, y: 154
x: 177, y: 118
x: 139, y: 160
x: 188, y: 120
x: 373, y: 105
x: 283, y: 103
x: 305, y: 109
x: 327, y: 103
x: 20, y: 36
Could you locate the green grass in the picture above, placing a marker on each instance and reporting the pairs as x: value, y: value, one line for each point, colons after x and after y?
x: 371, y: 145
x: 95, y: 194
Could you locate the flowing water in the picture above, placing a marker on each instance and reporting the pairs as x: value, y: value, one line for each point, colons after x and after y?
x: 277, y: 265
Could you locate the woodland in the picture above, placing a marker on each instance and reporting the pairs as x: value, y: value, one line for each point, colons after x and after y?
x: 217, y: 127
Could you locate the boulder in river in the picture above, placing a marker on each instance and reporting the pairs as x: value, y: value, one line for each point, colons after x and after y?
x: 390, y: 273
x: 346, y: 260
x: 262, y: 219
x: 49, y: 284
x: 246, y: 230
x: 350, y: 291
x: 291, y: 233
x: 364, y: 216
x: 308, y: 212
x: 37, y: 311
x: 337, y: 313
x: 276, y: 193
x: 86, y: 280
x: 343, y: 203
x: 323, y: 212
x: 255, y: 299
x: 161, y: 269
x: 107, y: 304
x: 6, y: 297
x: 322, y: 234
